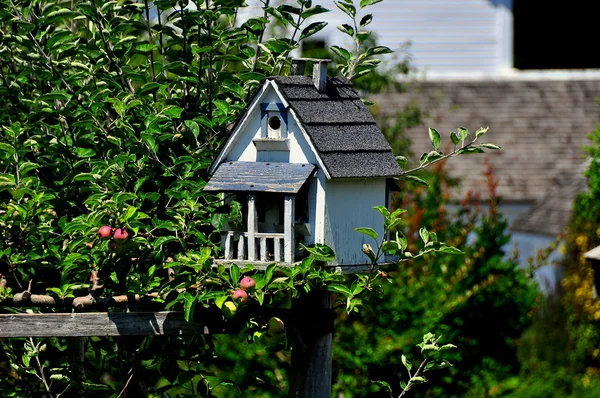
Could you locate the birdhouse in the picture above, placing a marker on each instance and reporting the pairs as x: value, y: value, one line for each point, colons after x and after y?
x: 307, y: 163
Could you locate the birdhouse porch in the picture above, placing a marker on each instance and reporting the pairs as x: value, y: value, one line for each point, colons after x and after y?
x: 270, y: 193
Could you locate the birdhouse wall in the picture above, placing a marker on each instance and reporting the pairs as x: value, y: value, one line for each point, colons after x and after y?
x: 348, y: 205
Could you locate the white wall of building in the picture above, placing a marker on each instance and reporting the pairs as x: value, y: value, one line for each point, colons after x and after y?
x: 447, y: 37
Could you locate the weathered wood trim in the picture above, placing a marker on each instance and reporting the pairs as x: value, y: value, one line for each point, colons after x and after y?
x: 99, y: 324
x: 258, y: 265
x: 241, y: 247
x: 263, y: 249
x: 228, y: 246
x: 277, y: 249
x: 288, y: 228
x: 252, y: 226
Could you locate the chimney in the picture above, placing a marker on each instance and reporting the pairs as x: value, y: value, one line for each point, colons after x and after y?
x: 319, y: 75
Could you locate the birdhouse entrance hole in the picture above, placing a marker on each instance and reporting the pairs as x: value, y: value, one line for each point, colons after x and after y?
x: 274, y: 127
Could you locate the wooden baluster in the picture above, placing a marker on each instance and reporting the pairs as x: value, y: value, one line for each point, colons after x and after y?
x: 241, y: 248
x: 263, y: 249
x: 277, y: 249
x: 228, y: 246
x: 252, y: 226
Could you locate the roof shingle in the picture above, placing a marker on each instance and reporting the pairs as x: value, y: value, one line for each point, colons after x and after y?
x: 341, y: 127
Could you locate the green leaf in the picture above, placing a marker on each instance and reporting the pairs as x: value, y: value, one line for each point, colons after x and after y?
x: 435, y: 138
x: 26, y: 167
x: 122, y: 197
x: 234, y: 272
x: 417, y: 380
x: 424, y: 234
x: 347, y: 29
x: 470, y: 150
x: 85, y: 152
x: 193, y: 126
x: 401, y: 240
x: 312, y: 29
x: 7, y: 149
x: 189, y: 304
x: 481, y: 131
x: 447, y: 347
x: 161, y: 240
x: 367, y: 19
x: 383, y: 384
x: 340, y: 289
x: 414, y: 179
x: 348, y: 9
x: 314, y: 11
x: 402, y: 160
x: 366, y: 3
x: 382, y: 210
x: 454, y: 138
x: 173, y: 111
x: 86, y: 177
x: 269, y: 273
x: 319, y: 252
x: 406, y: 362
x: 463, y: 133
x: 437, y: 364
x: 367, y: 231
x: 146, y: 47
x: 390, y: 246
x: 341, y: 52
x: 378, y: 50
x: 491, y: 146
x: 449, y: 250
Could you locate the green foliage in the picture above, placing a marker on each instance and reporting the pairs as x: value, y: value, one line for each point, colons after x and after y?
x: 112, y: 118
x: 479, y: 301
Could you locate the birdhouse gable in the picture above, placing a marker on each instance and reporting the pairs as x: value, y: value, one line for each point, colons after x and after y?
x: 268, y: 132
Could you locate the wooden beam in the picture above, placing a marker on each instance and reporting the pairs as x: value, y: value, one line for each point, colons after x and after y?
x: 99, y: 324
x: 288, y: 228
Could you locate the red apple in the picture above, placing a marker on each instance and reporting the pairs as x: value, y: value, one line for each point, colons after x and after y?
x: 105, y: 232
x: 247, y: 283
x: 120, y: 235
x: 240, y: 296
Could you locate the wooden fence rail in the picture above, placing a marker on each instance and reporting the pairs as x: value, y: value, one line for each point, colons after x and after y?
x: 101, y: 324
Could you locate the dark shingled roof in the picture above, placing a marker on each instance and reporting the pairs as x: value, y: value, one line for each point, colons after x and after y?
x: 340, y: 126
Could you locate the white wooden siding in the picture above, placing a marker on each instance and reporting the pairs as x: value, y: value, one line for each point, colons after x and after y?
x: 349, y: 205
x: 447, y: 37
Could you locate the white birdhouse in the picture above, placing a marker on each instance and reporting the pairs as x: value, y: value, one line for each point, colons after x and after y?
x: 308, y: 164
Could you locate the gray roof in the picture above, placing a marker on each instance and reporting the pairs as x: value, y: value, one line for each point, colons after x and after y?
x: 259, y: 177
x: 340, y: 126
x: 551, y: 215
x: 541, y: 125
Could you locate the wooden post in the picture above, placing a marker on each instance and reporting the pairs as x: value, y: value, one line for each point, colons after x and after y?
x: 311, y: 362
x: 77, y: 359
x: 252, y: 224
x: 288, y: 229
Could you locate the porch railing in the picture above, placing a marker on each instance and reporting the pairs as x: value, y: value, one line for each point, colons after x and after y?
x: 271, y: 247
